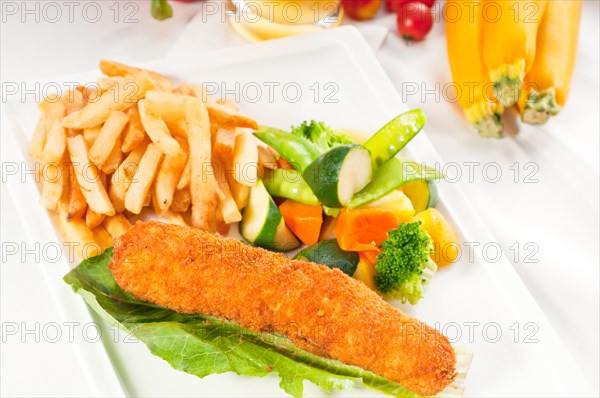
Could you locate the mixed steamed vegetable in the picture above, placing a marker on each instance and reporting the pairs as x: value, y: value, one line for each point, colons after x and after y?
x: 358, y: 208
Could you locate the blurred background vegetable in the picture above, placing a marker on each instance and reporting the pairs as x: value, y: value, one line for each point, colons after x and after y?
x: 547, y: 84
x: 509, y: 45
x: 414, y: 21
x: 361, y: 9
x: 527, y: 51
x: 463, y: 39
x: 161, y: 9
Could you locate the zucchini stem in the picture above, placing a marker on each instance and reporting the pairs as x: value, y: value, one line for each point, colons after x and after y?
x: 540, y: 106
x: 490, y: 126
x: 508, y: 81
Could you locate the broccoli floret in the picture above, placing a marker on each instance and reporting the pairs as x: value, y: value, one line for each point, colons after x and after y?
x: 321, y: 135
x: 404, y: 265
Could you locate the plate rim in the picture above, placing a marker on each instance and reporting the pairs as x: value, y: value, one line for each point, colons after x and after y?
x: 110, y: 383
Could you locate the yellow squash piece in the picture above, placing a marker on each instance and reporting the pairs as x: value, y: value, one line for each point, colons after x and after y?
x: 397, y: 202
x: 509, y: 43
x: 365, y: 272
x: 445, y: 240
x: 471, y: 79
x: 547, y: 84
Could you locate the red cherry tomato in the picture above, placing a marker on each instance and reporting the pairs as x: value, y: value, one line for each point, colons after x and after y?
x: 414, y: 21
x: 394, y: 5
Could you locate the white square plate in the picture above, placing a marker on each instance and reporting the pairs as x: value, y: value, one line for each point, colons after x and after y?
x: 330, y: 76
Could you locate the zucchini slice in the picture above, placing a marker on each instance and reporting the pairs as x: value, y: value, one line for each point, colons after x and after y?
x: 262, y: 223
x: 338, y: 174
x: 422, y: 194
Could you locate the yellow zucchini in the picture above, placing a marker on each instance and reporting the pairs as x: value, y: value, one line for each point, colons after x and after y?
x: 547, y: 84
x: 470, y: 77
x: 509, y: 43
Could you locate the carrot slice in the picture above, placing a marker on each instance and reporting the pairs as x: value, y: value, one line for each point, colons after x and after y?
x: 364, y: 229
x: 304, y: 220
x: 371, y: 255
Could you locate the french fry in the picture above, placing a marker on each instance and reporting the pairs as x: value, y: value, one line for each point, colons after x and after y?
x: 184, y: 89
x: 54, y: 177
x: 56, y: 112
x: 224, y: 143
x: 114, y: 158
x: 91, y: 94
x: 266, y: 159
x: 178, y: 128
x: 224, y: 115
x: 200, y: 92
x: 77, y: 205
x: 245, y: 160
x: 118, y: 98
x: 74, y: 101
x: 223, y: 228
x: 240, y: 192
x: 50, y: 102
x: 56, y: 143
x: 228, y: 104
x: 158, y: 131
x: 140, y: 187
x: 167, y: 177
x: 202, y: 181
x: 90, y: 135
x: 223, y: 148
x: 111, y: 68
x: 174, y: 218
x: 123, y: 176
x: 134, y: 133
x: 102, y: 237
x: 182, y: 200
x: 170, y: 106
x: 116, y: 225
x: 177, y: 149
x: 93, y: 219
x: 166, y: 105
x: 36, y: 148
x: 77, y: 236
x: 227, y: 206
x: 106, y: 83
x: 184, y: 180
x: 88, y: 177
x: 108, y: 137
x: 55, y: 108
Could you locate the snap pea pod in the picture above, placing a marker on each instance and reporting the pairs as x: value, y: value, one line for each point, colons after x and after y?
x: 331, y: 211
x: 394, y: 136
x: 298, y: 152
x: 289, y: 184
x: 391, y: 175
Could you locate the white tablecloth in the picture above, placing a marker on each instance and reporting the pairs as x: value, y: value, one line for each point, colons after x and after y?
x: 553, y: 220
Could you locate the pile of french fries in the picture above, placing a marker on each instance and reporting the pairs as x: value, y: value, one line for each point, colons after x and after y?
x: 135, y: 141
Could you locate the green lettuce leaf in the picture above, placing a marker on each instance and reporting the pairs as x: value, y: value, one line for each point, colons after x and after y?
x: 203, y: 345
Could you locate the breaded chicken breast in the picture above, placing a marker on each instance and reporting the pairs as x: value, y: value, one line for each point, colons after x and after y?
x: 319, y: 309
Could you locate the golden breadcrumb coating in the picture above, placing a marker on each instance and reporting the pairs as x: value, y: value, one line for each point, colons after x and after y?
x: 319, y: 309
